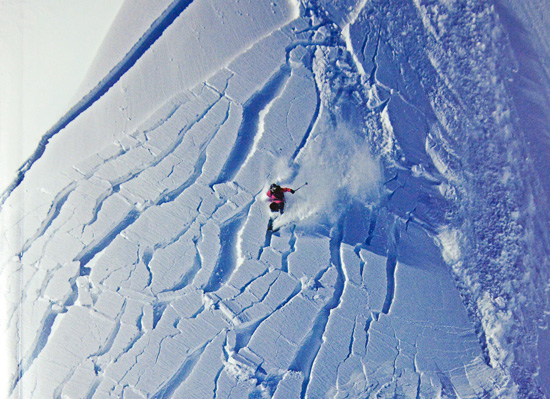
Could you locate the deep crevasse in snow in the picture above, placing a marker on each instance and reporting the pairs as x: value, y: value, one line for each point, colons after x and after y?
x: 405, y: 268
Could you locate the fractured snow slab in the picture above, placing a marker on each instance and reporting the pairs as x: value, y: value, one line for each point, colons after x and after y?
x: 147, y: 268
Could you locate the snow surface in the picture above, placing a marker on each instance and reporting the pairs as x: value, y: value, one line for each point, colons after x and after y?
x: 135, y: 252
x: 47, y: 46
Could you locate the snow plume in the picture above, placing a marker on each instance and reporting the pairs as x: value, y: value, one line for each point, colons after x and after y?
x: 339, y: 169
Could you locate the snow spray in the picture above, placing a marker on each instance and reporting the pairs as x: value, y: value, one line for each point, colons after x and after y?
x: 338, y: 165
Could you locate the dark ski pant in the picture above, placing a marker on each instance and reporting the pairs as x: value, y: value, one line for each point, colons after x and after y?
x: 277, y: 207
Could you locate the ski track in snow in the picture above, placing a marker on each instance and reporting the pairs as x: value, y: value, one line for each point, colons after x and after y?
x: 149, y: 272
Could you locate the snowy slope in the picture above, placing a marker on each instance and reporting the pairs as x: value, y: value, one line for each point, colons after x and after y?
x: 413, y: 264
x: 47, y: 47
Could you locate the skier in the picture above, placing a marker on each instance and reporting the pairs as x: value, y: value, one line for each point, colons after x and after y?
x: 276, y: 195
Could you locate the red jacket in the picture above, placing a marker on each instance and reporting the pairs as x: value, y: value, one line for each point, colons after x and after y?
x: 278, y: 196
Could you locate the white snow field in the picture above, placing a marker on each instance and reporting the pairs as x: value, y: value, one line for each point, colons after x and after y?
x: 47, y: 46
x: 136, y: 259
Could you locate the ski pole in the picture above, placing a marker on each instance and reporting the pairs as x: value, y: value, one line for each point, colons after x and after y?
x: 305, y: 184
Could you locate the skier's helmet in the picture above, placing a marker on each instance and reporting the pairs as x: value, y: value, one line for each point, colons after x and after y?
x: 274, y: 187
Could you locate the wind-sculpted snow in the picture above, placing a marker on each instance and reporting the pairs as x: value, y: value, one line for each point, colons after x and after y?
x: 146, y: 269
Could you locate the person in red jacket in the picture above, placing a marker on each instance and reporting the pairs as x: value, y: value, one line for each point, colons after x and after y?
x: 276, y: 195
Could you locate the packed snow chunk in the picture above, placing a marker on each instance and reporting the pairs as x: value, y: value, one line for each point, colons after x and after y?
x: 60, y: 287
x: 282, y: 289
x: 343, y: 327
x: 321, y: 290
x: 148, y: 185
x: 39, y: 319
x: 283, y: 242
x: 173, y: 267
x: 290, y: 115
x: 109, y: 304
x: 126, y: 393
x: 124, y: 336
x: 382, y: 351
x: 310, y: 257
x: 209, y: 247
x: 114, y: 212
x: 84, y: 289
x: 430, y: 324
x: 153, y: 358
x: 78, y: 334
x: 221, y: 145
x: 251, y: 238
x: 436, y: 299
x: 410, y: 129
x: 253, y: 69
x: 148, y: 319
x: 290, y: 386
x: 233, y: 308
x: 234, y: 207
x: 248, y: 272
x: 253, y: 175
x: 352, y: 264
x: 339, y: 332
x: 220, y: 80
x: 202, y: 328
x: 224, y: 191
x: 243, y: 363
x: 374, y: 278
x: 208, y: 205
x: 188, y: 303
x: 277, y: 341
x: 130, y: 142
x: 132, y: 313
x: 63, y: 247
x: 231, y: 386
x: 272, y: 258
x: 159, y: 224
x: 388, y: 71
x: 85, y: 200
x: 125, y: 165
x: 199, y: 380
x: 278, y: 293
x: 418, y: 248
x: 81, y: 381
x: 254, y: 293
x: 114, y: 264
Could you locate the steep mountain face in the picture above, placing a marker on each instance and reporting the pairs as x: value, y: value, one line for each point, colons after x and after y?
x: 413, y: 264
